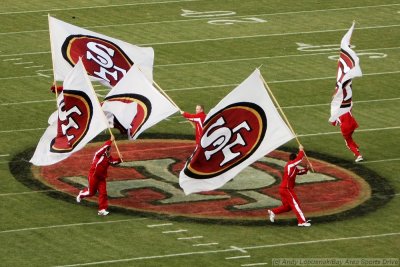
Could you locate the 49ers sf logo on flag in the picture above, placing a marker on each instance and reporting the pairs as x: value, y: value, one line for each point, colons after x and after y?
x: 101, y: 58
x: 132, y: 111
x: 241, y: 129
x: 230, y: 137
x: 348, y: 68
x: 134, y: 105
x: 78, y: 120
x: 75, y: 113
x: 106, y: 59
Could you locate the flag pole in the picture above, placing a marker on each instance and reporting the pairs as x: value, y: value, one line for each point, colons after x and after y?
x: 286, y: 119
x: 173, y: 103
x: 167, y: 96
x: 52, y: 61
x: 104, y: 116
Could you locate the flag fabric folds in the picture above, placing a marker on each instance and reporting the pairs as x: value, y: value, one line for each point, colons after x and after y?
x: 105, y: 59
x: 78, y: 120
x: 136, y: 105
x: 240, y: 129
x: 348, y: 68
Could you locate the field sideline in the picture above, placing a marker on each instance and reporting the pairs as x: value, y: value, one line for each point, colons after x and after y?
x: 203, y: 49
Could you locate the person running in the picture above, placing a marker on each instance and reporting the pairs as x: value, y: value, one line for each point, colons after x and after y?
x: 286, y: 189
x: 348, y: 124
x: 97, y: 177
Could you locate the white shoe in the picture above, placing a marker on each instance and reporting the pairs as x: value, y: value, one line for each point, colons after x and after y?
x: 359, y: 158
x: 271, y: 215
x: 78, y: 197
x: 103, y: 212
x: 305, y: 224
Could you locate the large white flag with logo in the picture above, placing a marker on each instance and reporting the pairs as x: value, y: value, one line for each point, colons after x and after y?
x: 348, y: 68
x: 106, y: 59
x: 78, y: 120
x: 136, y: 105
x: 241, y: 129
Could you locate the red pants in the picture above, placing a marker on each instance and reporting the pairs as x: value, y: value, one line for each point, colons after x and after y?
x: 351, y: 144
x: 290, y: 202
x: 100, y: 185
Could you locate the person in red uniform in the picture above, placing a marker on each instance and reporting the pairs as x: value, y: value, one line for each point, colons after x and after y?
x: 97, y: 176
x: 347, y: 126
x: 286, y: 189
x: 198, y: 119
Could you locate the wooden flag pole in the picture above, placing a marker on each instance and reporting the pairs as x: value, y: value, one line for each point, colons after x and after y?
x: 115, y: 143
x: 52, y: 61
x: 104, y: 116
x: 167, y: 96
x: 173, y: 103
x: 286, y: 119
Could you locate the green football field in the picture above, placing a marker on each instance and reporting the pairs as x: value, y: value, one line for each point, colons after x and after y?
x: 203, y: 49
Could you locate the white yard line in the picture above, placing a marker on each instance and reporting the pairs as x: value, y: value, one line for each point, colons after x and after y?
x: 20, y: 77
x: 94, y: 7
x: 159, y: 225
x: 23, y: 63
x: 205, y: 244
x: 12, y: 59
x: 31, y: 67
x: 5, y: 155
x: 239, y: 249
x: 254, y: 264
x: 237, y: 257
x: 190, y: 237
x: 205, y: 252
x: 356, y: 102
x: 377, y: 161
x: 271, y: 82
x: 28, y: 102
x: 67, y: 225
x: 266, y: 57
x: 26, y: 54
x: 264, y: 35
x: 43, y: 75
x: 22, y: 130
x: 180, y: 20
x: 360, y: 130
x: 175, y: 231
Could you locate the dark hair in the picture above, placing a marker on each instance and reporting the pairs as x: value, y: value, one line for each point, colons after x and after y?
x: 292, y: 156
x: 201, y: 106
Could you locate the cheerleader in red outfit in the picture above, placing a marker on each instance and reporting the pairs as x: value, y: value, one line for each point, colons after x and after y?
x: 286, y: 189
x: 347, y: 126
x: 97, y: 177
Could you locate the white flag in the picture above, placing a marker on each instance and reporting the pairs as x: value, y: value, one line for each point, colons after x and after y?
x: 78, y: 120
x: 105, y: 59
x: 241, y: 129
x: 151, y: 105
x: 348, y: 68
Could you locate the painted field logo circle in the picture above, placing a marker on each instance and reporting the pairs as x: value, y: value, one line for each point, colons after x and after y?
x: 147, y: 184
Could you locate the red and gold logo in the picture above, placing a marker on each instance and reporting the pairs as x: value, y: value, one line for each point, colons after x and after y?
x: 229, y: 138
x: 147, y: 183
x: 101, y: 58
x: 142, y: 114
x: 74, y: 116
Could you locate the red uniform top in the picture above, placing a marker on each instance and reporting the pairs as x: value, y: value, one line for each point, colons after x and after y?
x: 291, y: 170
x: 198, y: 119
x: 101, y: 162
x: 347, y: 123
